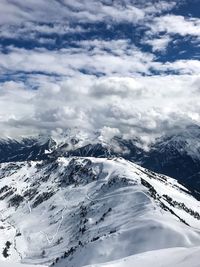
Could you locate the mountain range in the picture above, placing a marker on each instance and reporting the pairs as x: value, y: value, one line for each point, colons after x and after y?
x: 77, y: 201
x: 176, y: 155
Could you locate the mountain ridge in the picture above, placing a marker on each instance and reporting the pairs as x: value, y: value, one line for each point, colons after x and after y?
x: 94, y: 205
x: 177, y: 155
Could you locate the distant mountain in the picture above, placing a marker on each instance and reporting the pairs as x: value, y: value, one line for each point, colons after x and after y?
x: 176, y: 155
x: 26, y: 149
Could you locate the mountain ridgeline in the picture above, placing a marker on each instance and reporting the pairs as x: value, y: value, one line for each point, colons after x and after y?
x: 75, y: 211
x: 76, y: 201
x: 177, y: 156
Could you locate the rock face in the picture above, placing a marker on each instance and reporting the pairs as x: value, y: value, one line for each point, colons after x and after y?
x: 75, y: 211
x: 25, y: 149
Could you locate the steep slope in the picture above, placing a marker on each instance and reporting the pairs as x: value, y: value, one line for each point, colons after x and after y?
x: 26, y: 149
x: 178, y: 156
x: 78, y: 211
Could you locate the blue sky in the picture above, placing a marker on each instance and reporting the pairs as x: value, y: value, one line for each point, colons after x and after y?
x: 60, y: 50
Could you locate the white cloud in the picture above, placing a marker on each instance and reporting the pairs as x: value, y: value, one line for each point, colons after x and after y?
x: 159, y: 6
x: 176, y: 25
x: 150, y: 106
x: 33, y: 31
x: 16, y: 11
x: 159, y: 44
x: 107, y: 133
x: 115, y: 57
x: 69, y: 93
x: 110, y: 58
x: 191, y: 66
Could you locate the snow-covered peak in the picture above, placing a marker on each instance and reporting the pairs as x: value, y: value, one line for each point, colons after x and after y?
x: 176, y: 155
x: 77, y: 211
x: 185, y: 141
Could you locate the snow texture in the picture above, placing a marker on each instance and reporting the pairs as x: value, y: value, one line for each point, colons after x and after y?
x: 81, y: 211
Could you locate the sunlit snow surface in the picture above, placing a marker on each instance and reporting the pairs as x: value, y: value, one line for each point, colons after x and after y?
x: 93, y: 210
x: 7, y: 264
x: 176, y: 257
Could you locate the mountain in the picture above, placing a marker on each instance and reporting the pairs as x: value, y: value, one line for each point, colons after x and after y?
x: 176, y: 155
x: 12, y: 150
x: 76, y: 211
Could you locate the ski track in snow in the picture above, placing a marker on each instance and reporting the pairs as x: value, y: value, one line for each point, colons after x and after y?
x: 47, y: 236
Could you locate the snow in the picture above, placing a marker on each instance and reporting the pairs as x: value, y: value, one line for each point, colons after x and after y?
x: 176, y: 257
x: 101, y: 203
x: 12, y: 264
x: 186, y: 142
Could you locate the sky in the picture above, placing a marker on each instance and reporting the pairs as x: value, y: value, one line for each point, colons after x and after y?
x: 117, y: 67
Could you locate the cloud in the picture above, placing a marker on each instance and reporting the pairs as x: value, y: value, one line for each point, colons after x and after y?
x: 18, y: 17
x: 16, y: 11
x: 108, y: 58
x: 107, y: 133
x: 159, y: 44
x: 150, y: 106
x: 191, y: 66
x: 158, y: 7
x: 36, y: 32
x: 176, y: 25
x: 87, y: 64
x: 38, y: 23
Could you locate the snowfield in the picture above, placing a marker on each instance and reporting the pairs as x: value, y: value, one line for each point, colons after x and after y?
x: 11, y: 264
x: 86, y: 211
x: 175, y: 257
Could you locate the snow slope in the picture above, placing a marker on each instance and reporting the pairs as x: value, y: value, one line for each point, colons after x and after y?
x: 81, y: 211
x: 176, y: 257
x: 11, y: 264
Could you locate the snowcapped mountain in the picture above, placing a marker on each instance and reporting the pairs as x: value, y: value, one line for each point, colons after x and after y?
x: 176, y: 155
x: 76, y: 211
x: 26, y: 149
